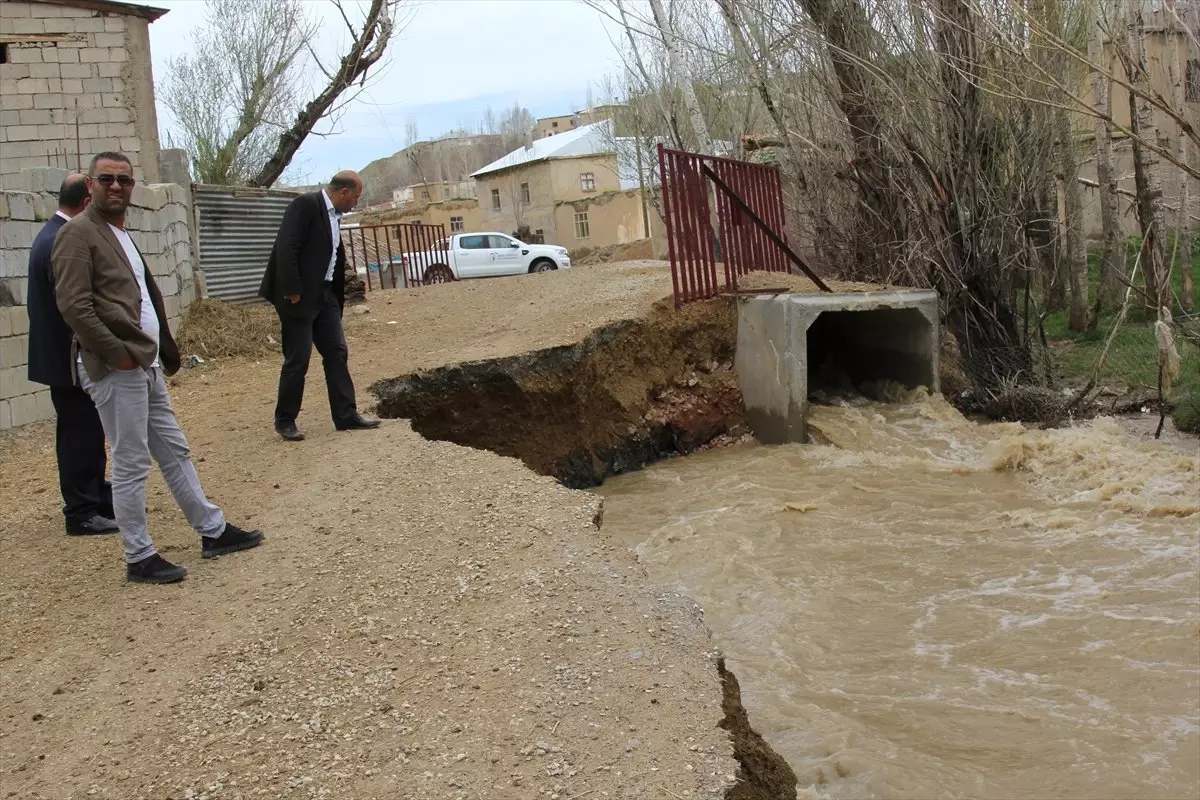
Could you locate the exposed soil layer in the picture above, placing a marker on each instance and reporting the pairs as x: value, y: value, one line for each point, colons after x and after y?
x: 762, y: 774
x: 630, y: 393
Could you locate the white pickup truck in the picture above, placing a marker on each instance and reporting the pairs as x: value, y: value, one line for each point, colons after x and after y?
x: 484, y: 255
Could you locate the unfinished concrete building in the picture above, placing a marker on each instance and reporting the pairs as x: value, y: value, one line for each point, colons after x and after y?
x: 76, y: 79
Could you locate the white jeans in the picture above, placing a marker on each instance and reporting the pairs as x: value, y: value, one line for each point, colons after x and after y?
x: 138, y: 421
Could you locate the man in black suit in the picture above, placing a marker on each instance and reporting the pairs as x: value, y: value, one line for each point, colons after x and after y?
x: 78, y: 436
x: 306, y: 282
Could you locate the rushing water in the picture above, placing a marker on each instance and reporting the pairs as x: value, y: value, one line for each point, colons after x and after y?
x: 927, y: 607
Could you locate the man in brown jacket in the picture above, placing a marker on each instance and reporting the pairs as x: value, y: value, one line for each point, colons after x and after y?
x: 122, y: 349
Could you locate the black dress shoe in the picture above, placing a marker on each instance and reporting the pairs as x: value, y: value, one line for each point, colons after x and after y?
x: 231, y: 540
x: 289, y: 431
x: 96, y: 525
x: 154, y: 569
x: 356, y: 423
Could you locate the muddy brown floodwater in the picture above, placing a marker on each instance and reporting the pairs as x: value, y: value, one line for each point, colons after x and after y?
x: 923, y: 606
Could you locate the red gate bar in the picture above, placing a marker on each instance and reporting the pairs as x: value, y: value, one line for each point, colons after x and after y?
x: 751, y: 226
x: 414, y: 247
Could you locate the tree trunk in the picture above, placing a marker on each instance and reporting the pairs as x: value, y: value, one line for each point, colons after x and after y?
x: 1112, y: 265
x: 365, y: 50
x: 682, y: 76
x: 1178, y: 52
x: 1146, y: 169
x: 1074, y: 249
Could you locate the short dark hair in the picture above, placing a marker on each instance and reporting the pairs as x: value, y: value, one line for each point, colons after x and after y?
x: 342, y: 183
x: 108, y: 156
x: 73, y: 192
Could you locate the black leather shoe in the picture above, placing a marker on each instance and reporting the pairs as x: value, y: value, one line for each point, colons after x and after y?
x: 289, y: 431
x: 357, y: 423
x: 154, y: 569
x: 96, y: 525
x: 231, y: 540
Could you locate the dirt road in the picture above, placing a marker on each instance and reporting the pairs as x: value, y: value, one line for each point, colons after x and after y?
x: 423, y: 621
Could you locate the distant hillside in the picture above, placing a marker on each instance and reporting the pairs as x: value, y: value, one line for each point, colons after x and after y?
x: 450, y: 158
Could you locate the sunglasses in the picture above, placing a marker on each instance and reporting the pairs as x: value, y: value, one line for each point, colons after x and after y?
x: 107, y: 178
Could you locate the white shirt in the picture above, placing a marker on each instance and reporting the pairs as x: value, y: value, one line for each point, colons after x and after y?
x: 335, y: 230
x: 61, y: 214
x: 149, y: 319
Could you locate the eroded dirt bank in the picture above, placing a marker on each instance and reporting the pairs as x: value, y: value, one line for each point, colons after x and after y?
x: 424, y: 621
x: 630, y: 393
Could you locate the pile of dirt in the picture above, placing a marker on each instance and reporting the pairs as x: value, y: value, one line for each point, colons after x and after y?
x: 216, y: 329
x: 640, y: 250
x: 627, y: 395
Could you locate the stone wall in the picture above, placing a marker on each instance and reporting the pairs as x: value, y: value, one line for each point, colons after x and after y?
x: 159, y: 222
x: 78, y: 81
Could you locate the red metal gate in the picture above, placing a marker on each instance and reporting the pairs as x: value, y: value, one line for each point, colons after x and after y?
x: 750, y: 229
x: 418, y: 252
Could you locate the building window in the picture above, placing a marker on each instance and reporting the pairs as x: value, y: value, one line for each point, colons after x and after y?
x: 456, y: 224
x: 582, y: 230
x: 3, y: 53
x: 1191, y: 92
x: 554, y: 124
x: 415, y: 222
x: 425, y: 195
x: 495, y: 199
x: 587, y: 181
x: 525, y: 193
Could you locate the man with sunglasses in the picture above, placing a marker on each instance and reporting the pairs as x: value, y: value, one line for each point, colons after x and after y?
x: 122, y: 348
x: 78, y: 435
x: 306, y: 282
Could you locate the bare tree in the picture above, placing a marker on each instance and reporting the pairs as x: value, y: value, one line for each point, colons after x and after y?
x: 1180, y: 43
x: 1146, y: 161
x: 368, y: 42
x: 231, y: 94
x: 681, y: 75
x: 1111, y: 251
x: 1073, y: 257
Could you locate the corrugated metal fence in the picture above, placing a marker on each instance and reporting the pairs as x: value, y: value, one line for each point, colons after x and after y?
x: 237, y: 228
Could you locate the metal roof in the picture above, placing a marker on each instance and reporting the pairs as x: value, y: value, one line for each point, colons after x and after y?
x: 594, y: 139
x: 110, y: 7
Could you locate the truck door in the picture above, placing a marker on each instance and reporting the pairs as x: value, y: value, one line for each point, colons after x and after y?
x: 472, y: 256
x: 506, y: 256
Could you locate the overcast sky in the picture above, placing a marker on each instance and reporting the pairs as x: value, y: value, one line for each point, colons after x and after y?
x: 454, y: 58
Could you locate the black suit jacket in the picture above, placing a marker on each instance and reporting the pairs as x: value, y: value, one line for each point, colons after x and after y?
x: 49, y: 336
x: 300, y: 259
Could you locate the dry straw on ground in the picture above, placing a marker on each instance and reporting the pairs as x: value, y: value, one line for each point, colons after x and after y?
x: 216, y: 329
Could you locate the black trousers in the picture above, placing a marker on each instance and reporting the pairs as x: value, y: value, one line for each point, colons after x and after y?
x: 299, y: 336
x: 79, y: 449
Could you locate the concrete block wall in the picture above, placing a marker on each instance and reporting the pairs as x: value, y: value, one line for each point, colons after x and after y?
x: 80, y: 71
x: 158, y: 221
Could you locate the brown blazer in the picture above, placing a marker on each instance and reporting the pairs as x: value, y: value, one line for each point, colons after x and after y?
x: 100, y: 301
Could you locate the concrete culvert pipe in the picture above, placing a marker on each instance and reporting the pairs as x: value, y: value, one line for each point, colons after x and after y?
x: 791, y: 345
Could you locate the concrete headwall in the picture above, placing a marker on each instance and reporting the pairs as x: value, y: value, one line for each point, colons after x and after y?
x: 788, y: 343
x: 158, y: 222
x: 78, y: 81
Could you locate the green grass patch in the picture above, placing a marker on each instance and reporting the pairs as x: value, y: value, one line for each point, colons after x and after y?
x: 1133, y: 359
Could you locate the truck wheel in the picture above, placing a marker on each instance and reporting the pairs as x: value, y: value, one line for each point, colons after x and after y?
x: 438, y: 273
x: 543, y: 265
